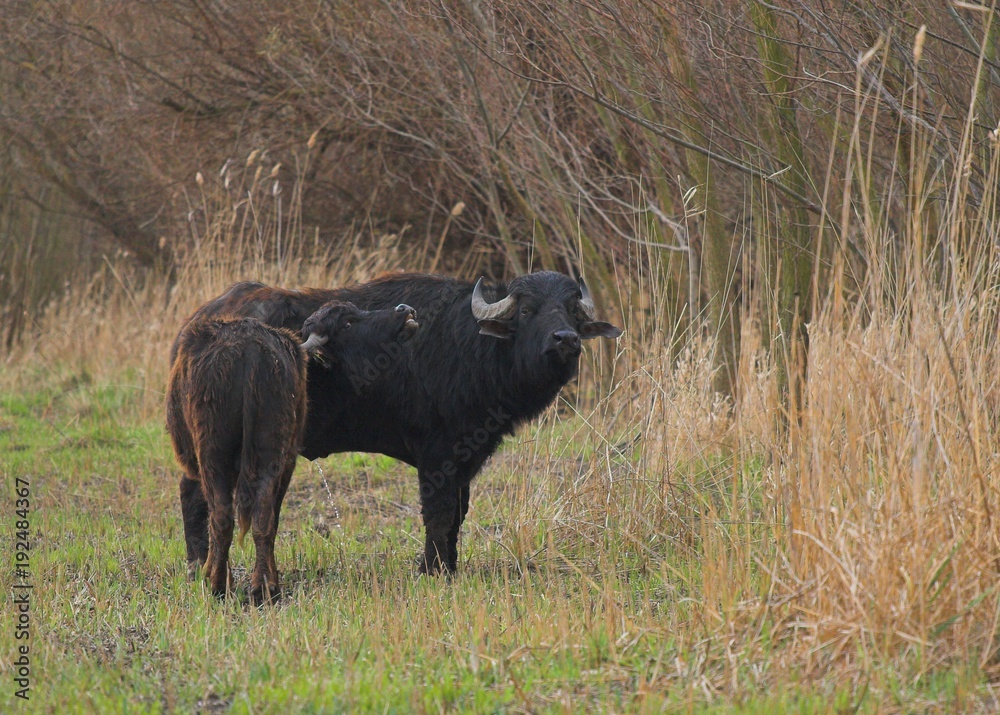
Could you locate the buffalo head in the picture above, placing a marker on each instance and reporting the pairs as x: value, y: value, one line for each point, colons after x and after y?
x: 338, y: 326
x: 548, y: 311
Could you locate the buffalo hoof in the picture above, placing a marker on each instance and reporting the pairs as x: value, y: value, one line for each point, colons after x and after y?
x: 435, y: 567
x: 194, y: 568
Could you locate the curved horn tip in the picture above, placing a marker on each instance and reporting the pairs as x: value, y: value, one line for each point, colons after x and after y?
x: 481, y: 310
x: 314, y: 341
x: 586, y: 301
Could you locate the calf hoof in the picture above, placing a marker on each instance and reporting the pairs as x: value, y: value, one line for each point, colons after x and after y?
x: 220, y: 592
x: 265, y: 594
x: 221, y: 584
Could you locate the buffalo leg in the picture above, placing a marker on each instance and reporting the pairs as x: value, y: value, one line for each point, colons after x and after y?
x: 439, y: 505
x: 194, y: 511
x: 461, y: 509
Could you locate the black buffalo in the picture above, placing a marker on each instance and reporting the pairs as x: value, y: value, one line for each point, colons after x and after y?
x: 486, y: 359
x: 236, y: 412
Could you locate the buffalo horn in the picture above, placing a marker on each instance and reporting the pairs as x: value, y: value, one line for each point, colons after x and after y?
x: 481, y: 310
x: 586, y: 302
x: 315, y: 340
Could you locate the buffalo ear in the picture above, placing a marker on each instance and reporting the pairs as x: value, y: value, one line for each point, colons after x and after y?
x: 597, y: 329
x: 502, y: 329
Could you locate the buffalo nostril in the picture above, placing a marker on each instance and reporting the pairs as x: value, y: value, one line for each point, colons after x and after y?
x: 567, y: 338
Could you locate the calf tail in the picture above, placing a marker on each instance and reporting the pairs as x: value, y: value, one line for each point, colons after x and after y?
x: 246, y: 482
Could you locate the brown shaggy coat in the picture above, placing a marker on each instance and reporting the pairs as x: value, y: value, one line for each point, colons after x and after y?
x: 236, y: 409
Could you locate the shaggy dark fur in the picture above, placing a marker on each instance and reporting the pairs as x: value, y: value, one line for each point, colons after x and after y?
x: 444, y: 400
x: 236, y: 411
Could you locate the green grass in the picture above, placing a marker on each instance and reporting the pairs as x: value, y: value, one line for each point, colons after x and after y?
x: 547, y: 615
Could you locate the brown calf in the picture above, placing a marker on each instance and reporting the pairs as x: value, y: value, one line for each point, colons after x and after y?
x: 236, y: 409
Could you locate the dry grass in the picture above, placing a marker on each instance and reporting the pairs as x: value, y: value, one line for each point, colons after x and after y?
x: 853, y: 552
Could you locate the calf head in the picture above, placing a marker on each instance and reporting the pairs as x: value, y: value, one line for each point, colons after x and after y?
x: 547, y: 315
x: 342, y: 334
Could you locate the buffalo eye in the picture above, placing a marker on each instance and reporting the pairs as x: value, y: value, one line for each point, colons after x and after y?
x: 525, y: 310
x: 347, y: 324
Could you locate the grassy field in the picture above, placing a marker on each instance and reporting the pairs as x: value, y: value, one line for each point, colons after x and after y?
x: 641, y: 548
x: 547, y: 615
x: 527, y: 625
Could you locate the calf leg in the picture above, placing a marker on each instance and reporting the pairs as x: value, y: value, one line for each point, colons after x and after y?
x: 264, y: 583
x: 217, y: 485
x: 264, y: 579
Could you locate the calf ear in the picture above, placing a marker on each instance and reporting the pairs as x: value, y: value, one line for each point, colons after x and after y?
x: 598, y: 329
x: 310, y: 326
x: 502, y: 329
